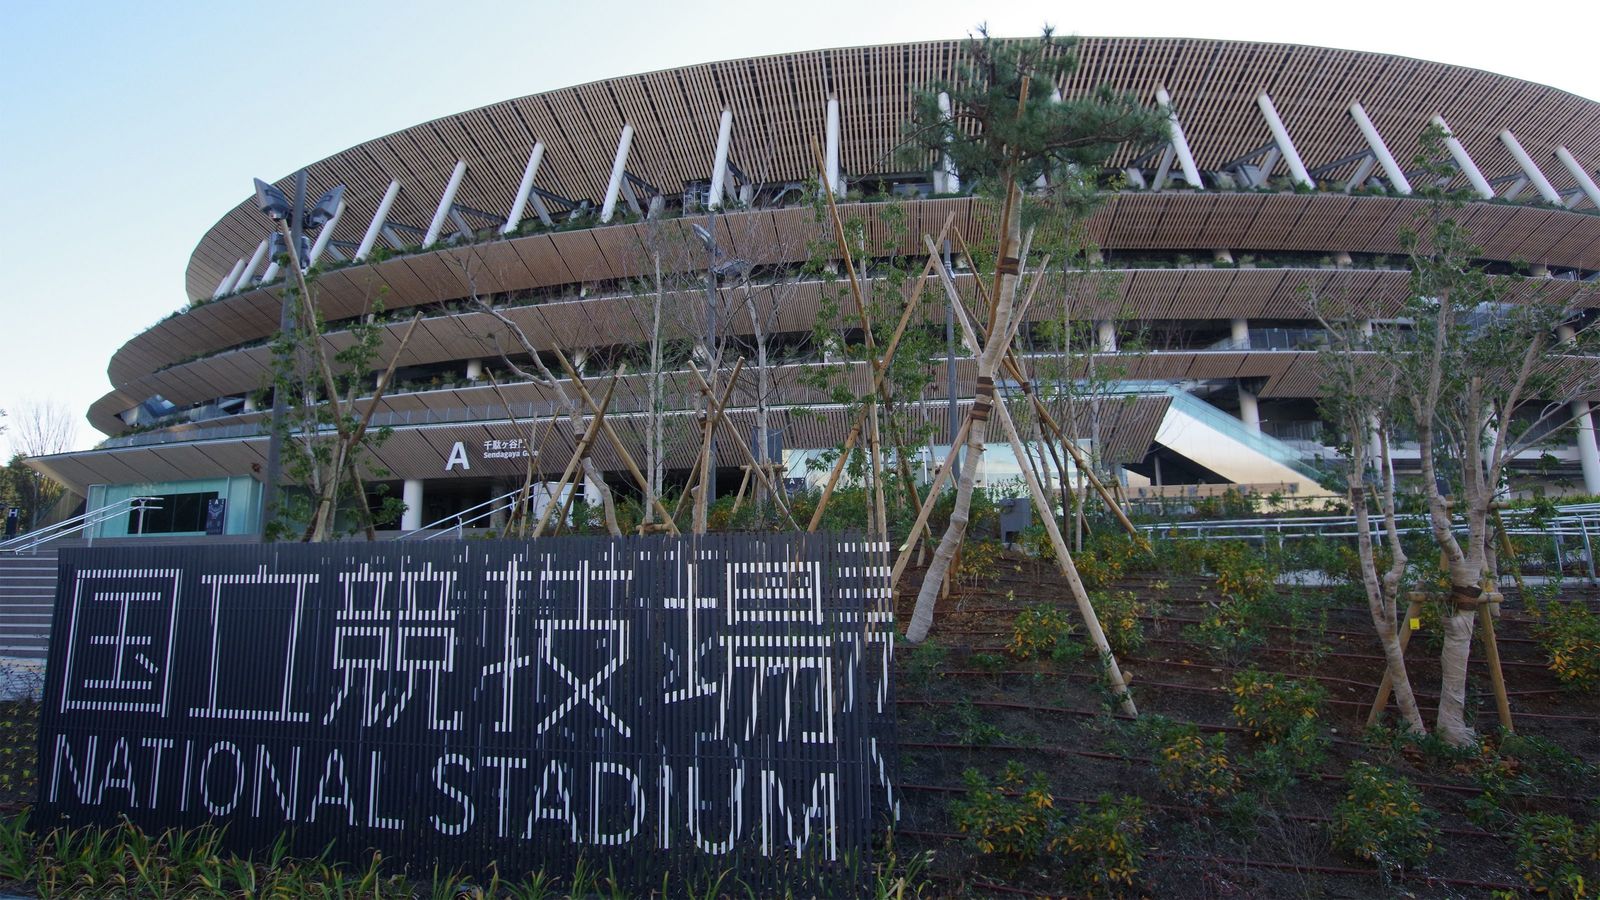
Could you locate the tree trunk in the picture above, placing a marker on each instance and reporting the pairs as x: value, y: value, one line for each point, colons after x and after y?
x: 988, y: 361
x: 1380, y: 605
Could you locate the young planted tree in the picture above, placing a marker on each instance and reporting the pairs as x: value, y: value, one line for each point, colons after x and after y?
x: 1358, y: 402
x: 1486, y: 372
x: 999, y: 141
x: 326, y: 436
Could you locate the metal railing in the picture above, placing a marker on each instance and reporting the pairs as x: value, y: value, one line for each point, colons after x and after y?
x: 28, y: 543
x: 457, y: 523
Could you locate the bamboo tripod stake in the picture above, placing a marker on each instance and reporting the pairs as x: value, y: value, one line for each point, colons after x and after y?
x: 880, y: 366
x: 578, y: 453
x: 1042, y: 504
x: 1014, y: 368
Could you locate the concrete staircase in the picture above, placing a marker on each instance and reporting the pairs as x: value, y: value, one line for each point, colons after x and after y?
x: 27, y: 598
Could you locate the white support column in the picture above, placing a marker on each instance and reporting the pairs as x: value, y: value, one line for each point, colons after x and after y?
x: 1362, y: 173
x: 830, y: 150
x: 1249, y: 411
x: 1588, y: 451
x: 1468, y: 167
x: 1280, y: 135
x: 1163, y: 169
x: 946, y: 180
x: 474, y: 369
x: 324, y: 236
x: 719, y: 160
x: 249, y: 267
x: 250, y: 403
x: 225, y: 286
x: 442, y: 214
x: 1106, y: 333
x: 270, y: 273
x: 525, y: 188
x: 1191, y: 172
x: 1240, y: 333
x: 411, y: 496
x: 1396, y: 175
x: 1582, y: 177
x: 378, y: 219
x: 619, y: 167
x: 1545, y: 188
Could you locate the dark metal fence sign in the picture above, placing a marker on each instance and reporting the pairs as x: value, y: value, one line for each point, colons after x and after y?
x: 651, y: 701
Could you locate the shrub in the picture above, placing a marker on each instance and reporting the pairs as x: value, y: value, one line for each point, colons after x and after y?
x: 1042, y: 630
x: 1119, y: 613
x: 1096, y: 570
x: 1104, y: 845
x: 1195, y: 768
x: 1014, y: 817
x: 1272, y: 706
x: 1570, y: 635
x: 1381, y: 819
x: 1556, y: 857
x: 979, y: 560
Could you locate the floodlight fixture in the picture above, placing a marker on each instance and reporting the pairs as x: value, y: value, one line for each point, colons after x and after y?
x: 705, y: 237
x: 326, y: 208
x: 272, y: 201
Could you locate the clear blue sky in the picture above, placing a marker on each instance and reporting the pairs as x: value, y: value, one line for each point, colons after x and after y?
x: 127, y: 129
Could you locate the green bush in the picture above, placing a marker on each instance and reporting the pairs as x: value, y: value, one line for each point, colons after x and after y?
x: 1044, y: 631
x: 1104, y: 846
x: 1381, y: 819
x: 1557, y: 857
x: 1119, y: 613
x: 1013, y: 818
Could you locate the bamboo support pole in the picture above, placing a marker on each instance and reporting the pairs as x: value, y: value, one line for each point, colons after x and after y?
x: 1497, y: 676
x: 879, y: 368
x: 1069, y: 569
x: 1386, y: 686
x: 762, y: 474
x: 928, y: 502
x: 616, y: 442
x: 714, y: 410
x: 578, y: 453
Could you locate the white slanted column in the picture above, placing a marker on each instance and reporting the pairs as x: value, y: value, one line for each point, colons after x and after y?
x: 442, y: 214
x: 1180, y: 144
x: 1249, y: 410
x: 1540, y: 183
x: 1583, y: 178
x: 719, y: 161
x: 946, y: 180
x: 1240, y: 334
x: 474, y: 369
x: 1467, y: 166
x: 830, y: 149
x: 1588, y: 451
x: 1583, y: 421
x: 1280, y: 136
x: 270, y: 273
x: 1362, y: 173
x: 1391, y: 169
x: 250, y: 267
x: 370, y: 239
x: 1106, y: 334
x: 619, y: 170
x: 411, y: 496
x: 225, y: 286
x: 324, y: 236
x: 519, y: 203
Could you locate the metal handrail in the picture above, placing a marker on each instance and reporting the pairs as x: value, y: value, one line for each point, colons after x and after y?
x: 456, y: 523
x: 29, y: 542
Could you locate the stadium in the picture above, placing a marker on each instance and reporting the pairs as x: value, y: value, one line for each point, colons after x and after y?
x: 680, y: 205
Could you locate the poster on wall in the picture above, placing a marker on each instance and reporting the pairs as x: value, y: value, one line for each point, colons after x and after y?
x: 652, y: 702
x: 216, y: 516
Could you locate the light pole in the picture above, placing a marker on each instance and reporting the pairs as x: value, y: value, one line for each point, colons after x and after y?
x: 291, y: 223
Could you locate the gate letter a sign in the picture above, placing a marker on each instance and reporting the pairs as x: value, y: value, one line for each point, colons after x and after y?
x: 458, y: 457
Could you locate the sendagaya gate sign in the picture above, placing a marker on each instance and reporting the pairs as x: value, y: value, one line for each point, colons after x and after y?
x: 652, y: 700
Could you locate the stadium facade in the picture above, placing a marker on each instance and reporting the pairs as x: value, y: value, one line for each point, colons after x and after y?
x: 1287, y: 167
